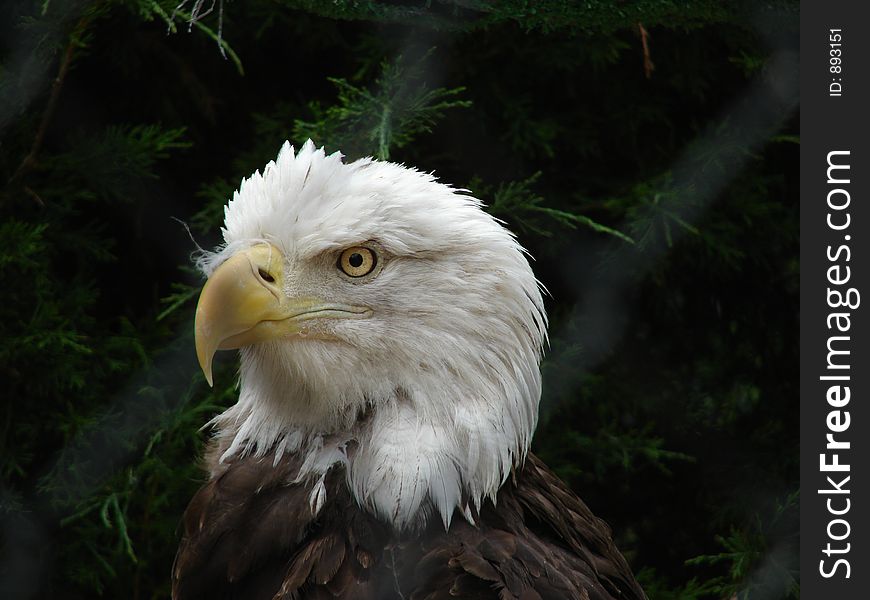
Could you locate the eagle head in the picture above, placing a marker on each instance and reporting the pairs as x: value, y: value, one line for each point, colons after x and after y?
x: 386, y: 324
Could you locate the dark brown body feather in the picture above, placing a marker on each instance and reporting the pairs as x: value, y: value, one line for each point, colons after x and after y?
x: 250, y: 534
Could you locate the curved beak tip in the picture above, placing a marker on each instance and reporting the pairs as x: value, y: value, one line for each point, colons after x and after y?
x: 204, y: 356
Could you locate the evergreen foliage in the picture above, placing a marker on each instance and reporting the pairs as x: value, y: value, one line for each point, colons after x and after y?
x: 660, y: 206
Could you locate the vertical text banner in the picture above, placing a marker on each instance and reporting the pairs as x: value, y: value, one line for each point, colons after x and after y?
x: 835, y: 361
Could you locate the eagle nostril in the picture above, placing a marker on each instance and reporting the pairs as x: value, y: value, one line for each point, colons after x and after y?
x: 265, y: 276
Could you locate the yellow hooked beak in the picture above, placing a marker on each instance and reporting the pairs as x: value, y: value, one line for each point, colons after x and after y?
x: 244, y: 302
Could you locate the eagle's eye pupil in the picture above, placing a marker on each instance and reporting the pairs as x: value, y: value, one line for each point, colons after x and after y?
x: 355, y: 260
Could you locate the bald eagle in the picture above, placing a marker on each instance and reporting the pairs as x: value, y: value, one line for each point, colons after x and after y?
x: 390, y: 333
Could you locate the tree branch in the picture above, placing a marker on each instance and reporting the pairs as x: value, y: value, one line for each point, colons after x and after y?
x: 29, y: 161
x: 648, y: 66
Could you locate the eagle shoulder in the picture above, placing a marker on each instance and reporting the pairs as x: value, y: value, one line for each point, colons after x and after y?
x: 250, y: 533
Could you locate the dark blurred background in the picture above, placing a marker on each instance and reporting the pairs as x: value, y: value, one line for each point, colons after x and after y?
x: 644, y: 151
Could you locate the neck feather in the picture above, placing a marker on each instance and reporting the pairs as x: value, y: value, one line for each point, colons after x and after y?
x: 443, y: 442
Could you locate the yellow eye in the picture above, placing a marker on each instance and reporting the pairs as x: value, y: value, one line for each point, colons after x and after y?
x: 357, y: 261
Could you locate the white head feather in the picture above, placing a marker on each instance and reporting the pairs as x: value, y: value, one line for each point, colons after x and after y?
x: 431, y: 400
